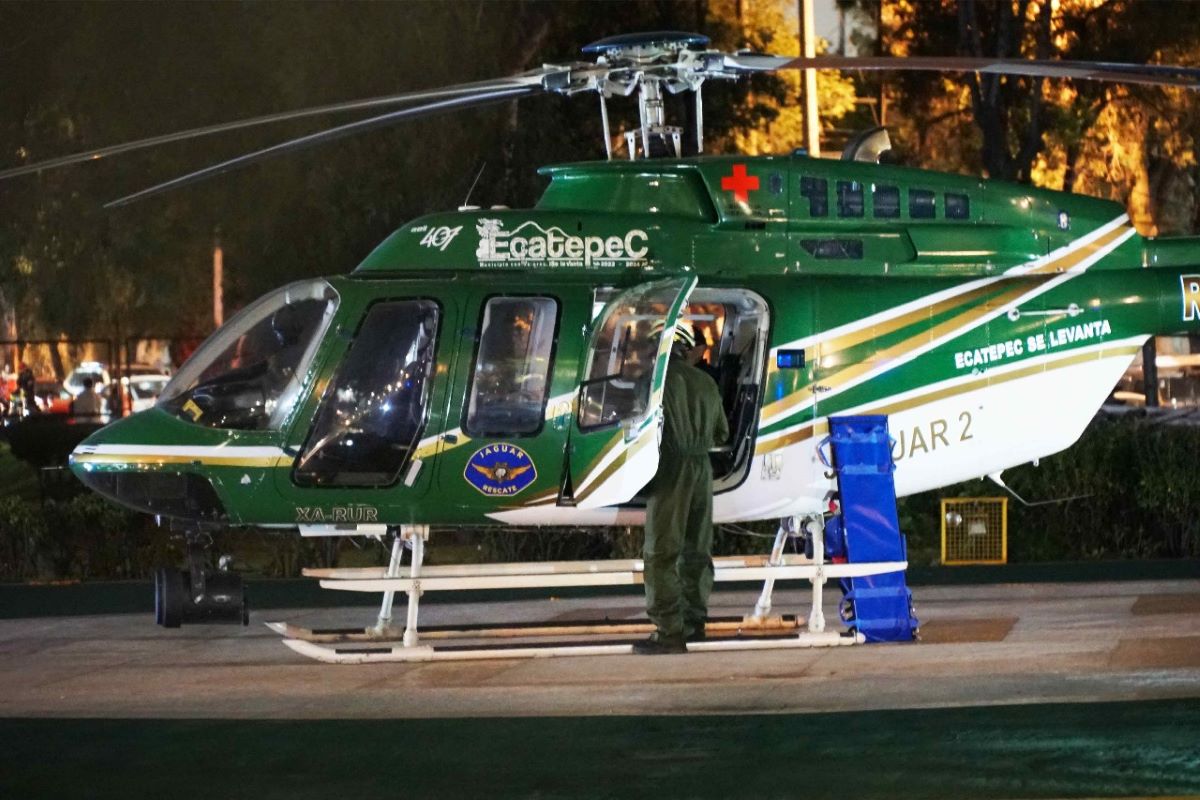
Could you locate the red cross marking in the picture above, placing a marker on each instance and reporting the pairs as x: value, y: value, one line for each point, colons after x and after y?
x: 739, y: 183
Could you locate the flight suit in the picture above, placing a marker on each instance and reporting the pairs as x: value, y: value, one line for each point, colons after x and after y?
x: 678, y: 547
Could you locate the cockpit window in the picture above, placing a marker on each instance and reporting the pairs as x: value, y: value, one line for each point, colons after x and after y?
x: 247, y: 375
x: 373, y: 411
x: 512, y: 369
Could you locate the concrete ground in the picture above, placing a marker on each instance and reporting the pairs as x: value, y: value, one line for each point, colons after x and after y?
x: 981, y: 645
x: 1016, y: 691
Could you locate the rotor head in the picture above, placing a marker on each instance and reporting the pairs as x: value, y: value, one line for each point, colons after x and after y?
x: 650, y: 44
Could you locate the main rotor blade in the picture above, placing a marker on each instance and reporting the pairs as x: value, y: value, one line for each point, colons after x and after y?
x: 1144, y: 74
x: 321, y: 137
x: 529, y: 79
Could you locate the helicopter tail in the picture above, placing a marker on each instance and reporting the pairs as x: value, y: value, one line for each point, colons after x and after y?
x: 1173, y: 252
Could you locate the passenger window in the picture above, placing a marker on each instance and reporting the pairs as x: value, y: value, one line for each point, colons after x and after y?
x: 850, y: 199
x: 958, y: 206
x: 817, y: 192
x: 921, y: 204
x: 373, y: 411
x: 833, y: 248
x: 512, y: 368
x: 887, y: 202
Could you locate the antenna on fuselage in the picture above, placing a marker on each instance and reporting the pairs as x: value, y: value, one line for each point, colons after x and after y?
x: 996, y: 478
x: 466, y: 203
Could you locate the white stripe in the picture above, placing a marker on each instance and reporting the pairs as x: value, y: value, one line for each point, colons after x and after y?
x: 961, y: 331
x: 884, y: 316
x: 223, y: 451
x: 1082, y: 241
x: 970, y: 286
x: 609, y: 458
x: 551, y: 405
x: 958, y: 380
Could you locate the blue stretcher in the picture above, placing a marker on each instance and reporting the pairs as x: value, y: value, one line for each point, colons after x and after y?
x: 866, y: 529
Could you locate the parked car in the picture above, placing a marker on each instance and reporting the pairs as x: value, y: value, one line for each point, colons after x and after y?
x: 95, y: 370
x: 143, y: 390
x: 53, y: 397
x: 6, y: 393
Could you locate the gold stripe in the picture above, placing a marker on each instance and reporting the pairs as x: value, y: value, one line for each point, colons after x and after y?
x: 833, y: 346
x: 1067, y: 262
x: 867, y: 332
x: 440, y: 445
x: 611, y: 469
x: 604, y: 451
x: 602, y: 477
x: 136, y: 459
x: 897, y: 350
x: 807, y: 432
x: 545, y: 498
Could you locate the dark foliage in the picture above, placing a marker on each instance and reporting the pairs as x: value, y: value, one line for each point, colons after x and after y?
x: 1137, y: 486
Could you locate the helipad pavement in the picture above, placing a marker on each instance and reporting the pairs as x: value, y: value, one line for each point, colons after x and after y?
x: 981, y: 645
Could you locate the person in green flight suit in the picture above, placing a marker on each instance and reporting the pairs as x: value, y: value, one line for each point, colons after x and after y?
x: 679, y: 534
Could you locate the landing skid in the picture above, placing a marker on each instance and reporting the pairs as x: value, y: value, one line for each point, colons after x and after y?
x: 384, y: 653
x: 385, y: 642
x: 716, y: 627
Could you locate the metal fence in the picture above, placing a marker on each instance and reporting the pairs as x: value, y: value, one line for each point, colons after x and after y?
x: 975, y: 530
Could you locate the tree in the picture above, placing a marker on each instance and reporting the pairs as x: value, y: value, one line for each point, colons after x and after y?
x: 1105, y: 139
x: 86, y: 75
x: 769, y: 108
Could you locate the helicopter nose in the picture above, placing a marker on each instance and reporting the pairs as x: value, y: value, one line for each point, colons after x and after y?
x: 146, y: 478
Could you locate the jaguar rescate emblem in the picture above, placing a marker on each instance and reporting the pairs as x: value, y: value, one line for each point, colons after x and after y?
x: 500, y: 470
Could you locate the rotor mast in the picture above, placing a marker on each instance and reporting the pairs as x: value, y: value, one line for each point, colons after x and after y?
x: 652, y: 66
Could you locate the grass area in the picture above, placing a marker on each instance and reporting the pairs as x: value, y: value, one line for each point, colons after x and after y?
x: 1024, y: 751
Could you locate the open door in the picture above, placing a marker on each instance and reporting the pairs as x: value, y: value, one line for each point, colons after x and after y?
x: 613, y: 447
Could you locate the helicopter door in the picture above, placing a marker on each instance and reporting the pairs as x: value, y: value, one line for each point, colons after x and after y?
x: 613, y: 448
x: 358, y: 438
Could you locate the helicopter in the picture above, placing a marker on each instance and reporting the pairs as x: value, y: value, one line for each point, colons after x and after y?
x: 505, y: 367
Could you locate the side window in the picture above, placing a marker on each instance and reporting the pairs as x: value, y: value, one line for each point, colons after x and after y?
x: 887, y: 201
x: 512, y: 368
x: 817, y: 192
x: 921, y: 204
x: 850, y: 199
x: 958, y: 206
x: 373, y: 411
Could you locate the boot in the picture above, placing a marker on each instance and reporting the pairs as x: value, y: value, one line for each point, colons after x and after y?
x: 658, y: 645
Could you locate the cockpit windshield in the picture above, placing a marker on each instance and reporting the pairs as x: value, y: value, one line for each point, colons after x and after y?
x: 247, y: 375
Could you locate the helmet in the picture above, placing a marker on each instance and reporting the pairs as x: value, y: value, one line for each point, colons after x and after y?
x: 684, y: 335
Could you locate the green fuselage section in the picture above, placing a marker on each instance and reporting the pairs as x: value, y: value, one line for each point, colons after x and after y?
x: 882, y: 281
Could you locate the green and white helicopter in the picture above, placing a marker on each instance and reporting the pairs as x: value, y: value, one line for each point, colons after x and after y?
x: 505, y: 367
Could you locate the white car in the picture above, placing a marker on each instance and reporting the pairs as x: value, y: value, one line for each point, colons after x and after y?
x: 143, y: 390
x: 87, y: 369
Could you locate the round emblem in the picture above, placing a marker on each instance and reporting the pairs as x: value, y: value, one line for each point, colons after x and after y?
x: 500, y: 470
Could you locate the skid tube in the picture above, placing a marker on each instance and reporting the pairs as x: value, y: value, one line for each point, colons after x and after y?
x: 384, y: 642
